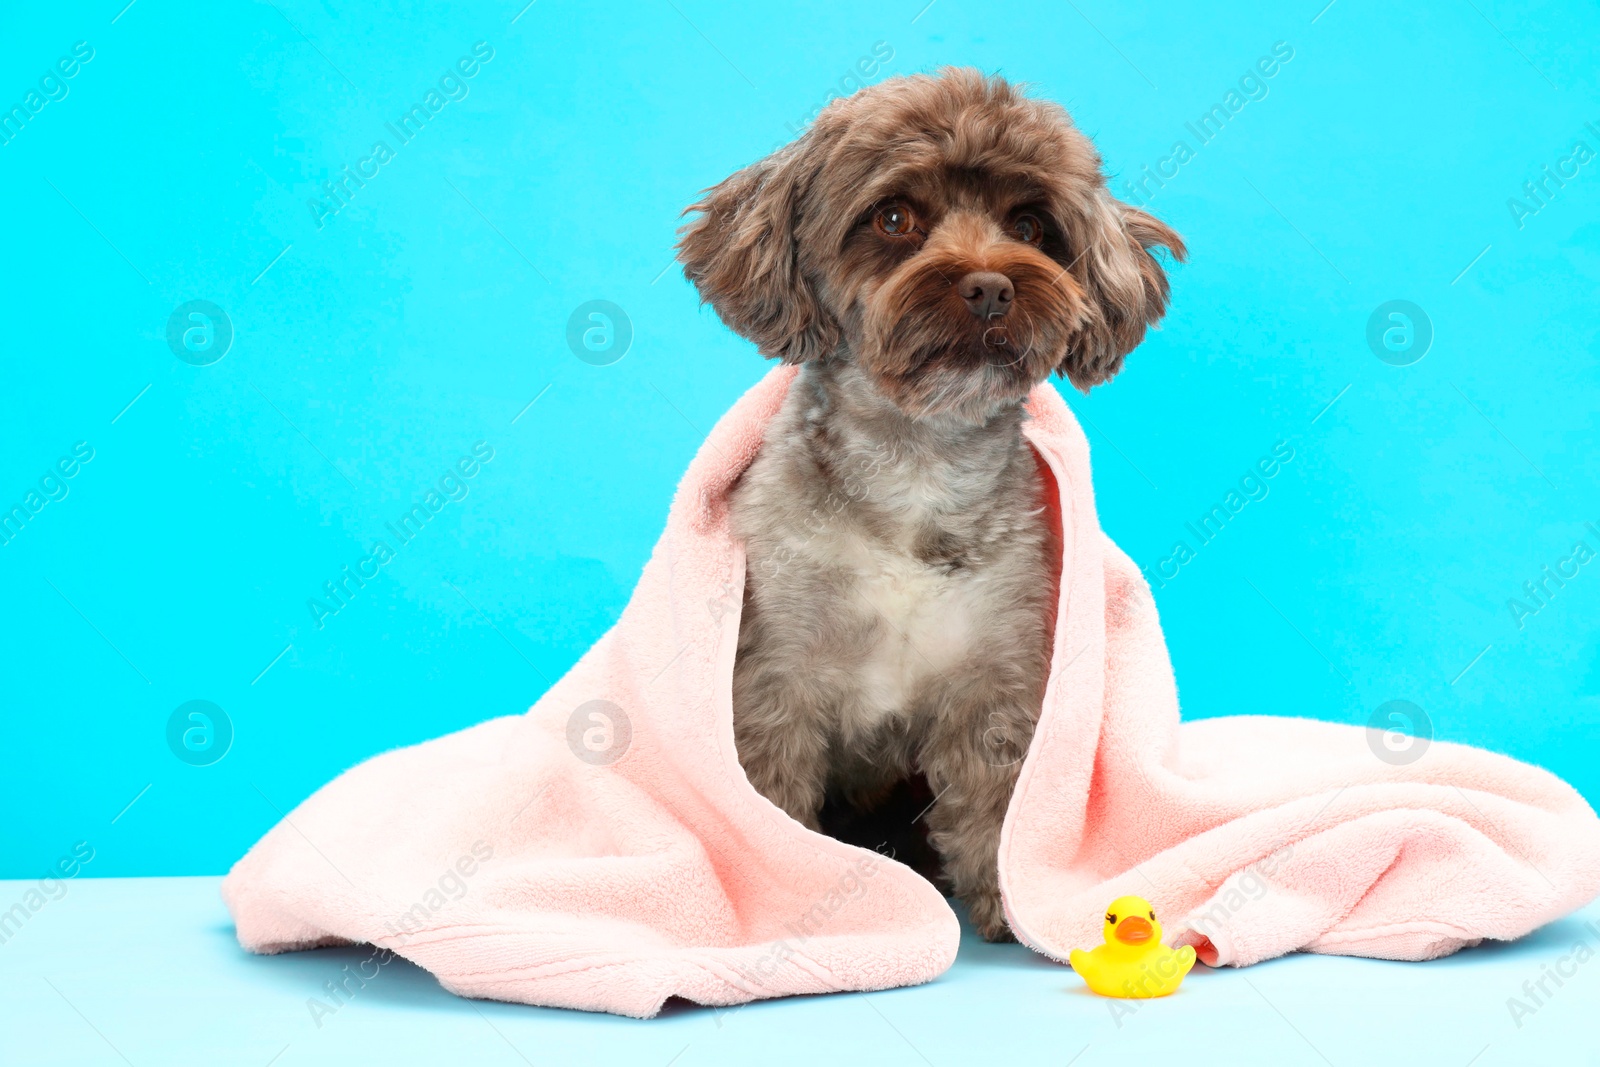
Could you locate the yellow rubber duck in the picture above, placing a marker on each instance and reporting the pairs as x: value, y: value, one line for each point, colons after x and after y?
x: 1133, y: 962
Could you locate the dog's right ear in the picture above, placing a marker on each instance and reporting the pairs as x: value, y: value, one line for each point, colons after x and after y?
x: 742, y: 256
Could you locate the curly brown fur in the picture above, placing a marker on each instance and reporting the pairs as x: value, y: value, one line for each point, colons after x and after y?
x: 930, y: 250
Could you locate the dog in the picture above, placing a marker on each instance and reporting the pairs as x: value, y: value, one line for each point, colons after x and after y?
x: 927, y: 252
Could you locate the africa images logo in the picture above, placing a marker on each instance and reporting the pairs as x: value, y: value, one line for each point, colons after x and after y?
x: 452, y: 486
x: 452, y: 85
x: 599, y: 332
x: 199, y: 333
x: 1399, y: 332
x: 199, y: 733
x: 599, y: 732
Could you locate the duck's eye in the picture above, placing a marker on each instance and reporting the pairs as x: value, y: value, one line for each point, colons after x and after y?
x: 1152, y: 916
x: 1028, y: 229
x: 894, y: 219
x: 1112, y: 918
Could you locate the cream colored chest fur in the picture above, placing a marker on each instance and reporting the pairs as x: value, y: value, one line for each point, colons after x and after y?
x: 922, y: 618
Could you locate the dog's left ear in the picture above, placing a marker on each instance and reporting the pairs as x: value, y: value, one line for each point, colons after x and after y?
x: 1124, y: 286
x: 741, y: 254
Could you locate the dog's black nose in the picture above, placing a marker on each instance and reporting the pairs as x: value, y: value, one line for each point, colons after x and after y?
x: 987, y: 293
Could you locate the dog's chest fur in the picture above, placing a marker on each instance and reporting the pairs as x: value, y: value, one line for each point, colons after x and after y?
x: 921, y: 612
x: 890, y: 564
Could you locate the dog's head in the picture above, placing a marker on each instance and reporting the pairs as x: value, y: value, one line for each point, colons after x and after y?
x: 952, y: 236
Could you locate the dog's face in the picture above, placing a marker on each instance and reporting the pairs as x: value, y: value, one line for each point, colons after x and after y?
x: 948, y: 234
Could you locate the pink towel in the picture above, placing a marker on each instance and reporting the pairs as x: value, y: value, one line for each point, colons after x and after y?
x: 604, y: 850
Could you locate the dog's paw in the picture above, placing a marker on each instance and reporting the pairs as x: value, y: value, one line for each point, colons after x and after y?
x: 989, y: 917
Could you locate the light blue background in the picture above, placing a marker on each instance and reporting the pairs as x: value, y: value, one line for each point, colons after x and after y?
x: 121, y: 958
x: 371, y: 353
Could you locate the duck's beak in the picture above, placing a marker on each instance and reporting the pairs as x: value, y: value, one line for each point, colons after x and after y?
x: 1133, y: 930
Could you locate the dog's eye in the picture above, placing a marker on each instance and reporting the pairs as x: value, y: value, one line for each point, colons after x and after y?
x: 894, y: 219
x: 1028, y: 228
